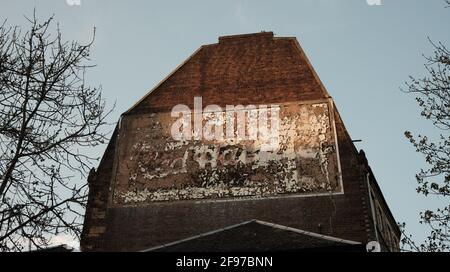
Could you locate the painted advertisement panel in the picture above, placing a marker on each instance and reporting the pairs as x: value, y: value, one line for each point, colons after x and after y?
x: 298, y: 157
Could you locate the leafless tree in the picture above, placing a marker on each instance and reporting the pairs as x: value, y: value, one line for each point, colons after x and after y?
x: 48, y: 116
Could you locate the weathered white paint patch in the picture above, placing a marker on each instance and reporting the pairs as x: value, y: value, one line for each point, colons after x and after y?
x: 161, y: 169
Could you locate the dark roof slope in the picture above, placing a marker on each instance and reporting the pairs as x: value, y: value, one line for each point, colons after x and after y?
x: 255, y: 235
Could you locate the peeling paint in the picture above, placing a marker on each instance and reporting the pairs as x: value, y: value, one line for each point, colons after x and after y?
x: 158, y: 168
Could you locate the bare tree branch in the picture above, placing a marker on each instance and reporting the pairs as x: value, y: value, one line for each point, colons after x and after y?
x: 48, y: 116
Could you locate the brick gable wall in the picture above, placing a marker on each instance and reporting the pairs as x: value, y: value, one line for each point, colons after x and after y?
x: 243, y: 69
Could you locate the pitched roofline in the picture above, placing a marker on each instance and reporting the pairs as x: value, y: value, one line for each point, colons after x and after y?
x: 238, y: 36
x: 162, y: 81
x: 197, y: 236
x: 313, y: 234
x: 225, y: 38
x: 316, y: 76
x: 316, y: 235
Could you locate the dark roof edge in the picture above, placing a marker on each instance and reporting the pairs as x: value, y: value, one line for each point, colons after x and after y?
x: 374, y: 180
x: 313, y: 234
x: 316, y: 235
x: 268, y: 34
x: 380, y: 192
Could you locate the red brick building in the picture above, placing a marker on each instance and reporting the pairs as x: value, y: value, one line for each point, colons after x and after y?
x: 150, y: 190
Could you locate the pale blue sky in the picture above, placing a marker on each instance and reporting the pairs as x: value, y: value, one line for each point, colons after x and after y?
x: 362, y: 53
